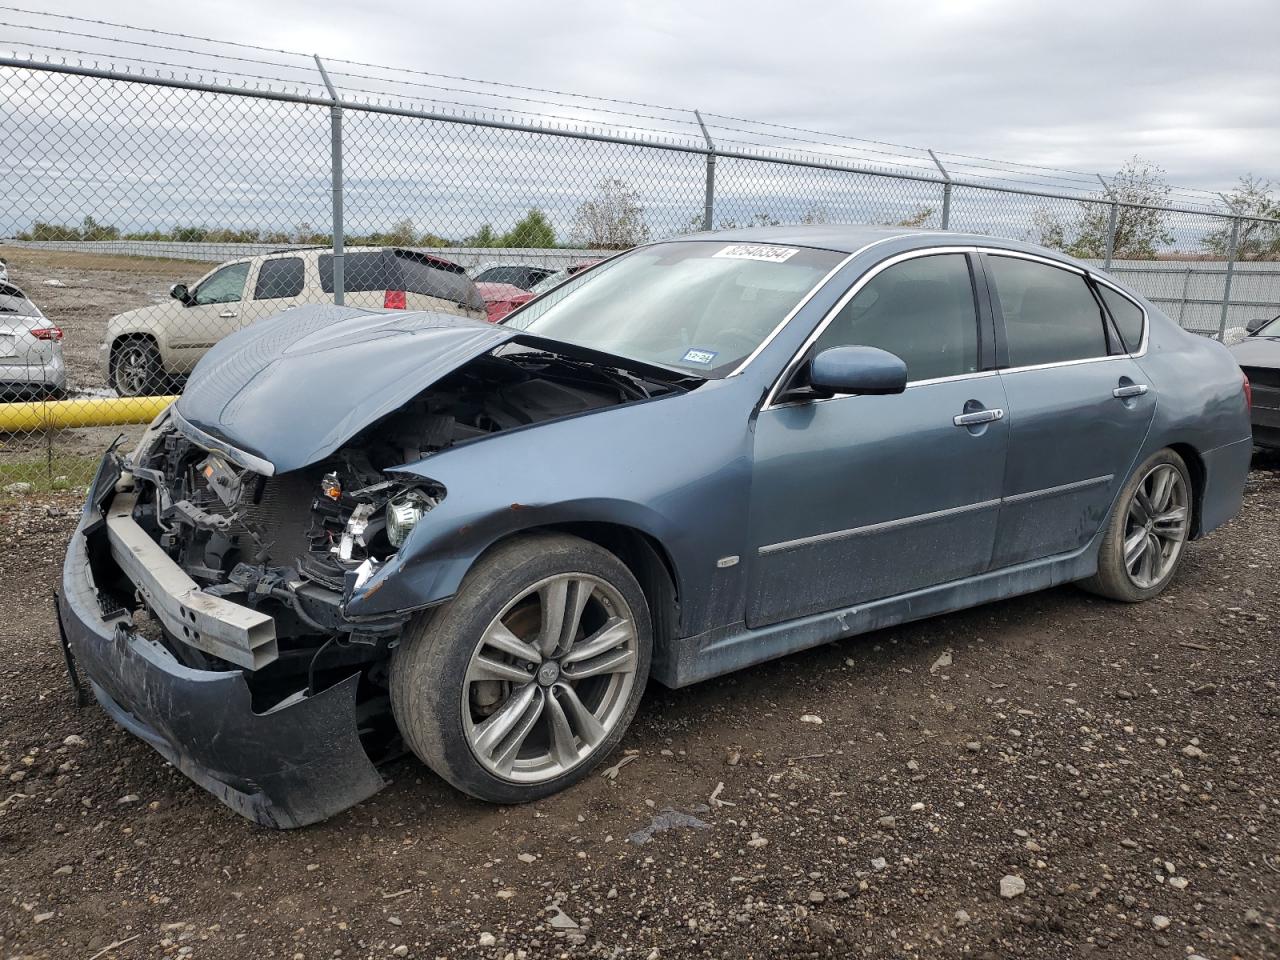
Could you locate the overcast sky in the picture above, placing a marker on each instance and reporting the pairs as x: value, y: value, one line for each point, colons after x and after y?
x: 1192, y: 86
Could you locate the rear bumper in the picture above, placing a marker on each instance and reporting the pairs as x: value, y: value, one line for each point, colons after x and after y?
x: 1226, y: 470
x: 288, y: 767
x: 32, y: 379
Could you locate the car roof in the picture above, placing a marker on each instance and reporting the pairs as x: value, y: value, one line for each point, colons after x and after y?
x: 853, y: 237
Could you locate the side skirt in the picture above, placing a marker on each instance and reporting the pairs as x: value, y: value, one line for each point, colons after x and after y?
x: 691, y: 659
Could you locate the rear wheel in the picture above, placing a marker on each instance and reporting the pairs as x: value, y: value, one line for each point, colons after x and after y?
x: 135, y: 367
x: 529, y: 677
x: 1147, y: 531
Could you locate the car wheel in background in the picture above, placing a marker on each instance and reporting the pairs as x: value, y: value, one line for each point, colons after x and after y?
x: 1146, y: 533
x: 135, y: 367
x: 528, y: 678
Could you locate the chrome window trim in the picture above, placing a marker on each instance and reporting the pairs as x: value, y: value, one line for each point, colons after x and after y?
x: 807, y: 297
x: 839, y: 305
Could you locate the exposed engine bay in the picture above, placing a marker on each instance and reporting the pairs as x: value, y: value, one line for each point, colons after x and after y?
x: 295, y: 545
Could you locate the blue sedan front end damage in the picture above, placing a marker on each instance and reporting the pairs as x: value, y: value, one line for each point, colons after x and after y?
x: 285, y: 766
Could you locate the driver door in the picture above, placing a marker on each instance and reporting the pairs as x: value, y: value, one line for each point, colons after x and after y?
x: 212, y: 312
x: 858, y: 498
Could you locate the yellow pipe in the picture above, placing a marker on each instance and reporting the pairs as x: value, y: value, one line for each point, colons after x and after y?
x: 83, y: 412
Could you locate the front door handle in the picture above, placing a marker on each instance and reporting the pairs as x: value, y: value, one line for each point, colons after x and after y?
x: 978, y: 416
x: 1130, y: 390
x: 227, y: 314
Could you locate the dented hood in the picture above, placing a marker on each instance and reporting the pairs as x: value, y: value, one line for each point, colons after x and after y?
x: 290, y: 390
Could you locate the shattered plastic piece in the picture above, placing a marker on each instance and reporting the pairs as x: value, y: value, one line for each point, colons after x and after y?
x: 671, y: 819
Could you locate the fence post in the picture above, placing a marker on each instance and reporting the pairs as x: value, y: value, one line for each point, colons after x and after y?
x: 1186, y: 292
x: 946, y: 191
x: 1226, y: 283
x: 1111, y: 223
x: 335, y: 136
x: 709, y: 205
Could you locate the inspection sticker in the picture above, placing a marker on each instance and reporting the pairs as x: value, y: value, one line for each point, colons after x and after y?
x: 757, y: 251
x: 700, y: 356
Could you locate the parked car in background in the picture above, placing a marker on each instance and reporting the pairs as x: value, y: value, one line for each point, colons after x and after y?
x: 1259, y: 357
x: 31, y: 363
x: 501, y: 299
x: 482, y: 540
x: 152, y: 349
x: 522, y: 275
x: 4, y: 272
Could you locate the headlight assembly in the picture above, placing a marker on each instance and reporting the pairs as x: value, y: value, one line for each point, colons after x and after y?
x: 403, y: 512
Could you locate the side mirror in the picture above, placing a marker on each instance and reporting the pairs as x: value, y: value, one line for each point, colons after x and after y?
x: 867, y: 370
x: 1257, y: 323
x: 180, y: 293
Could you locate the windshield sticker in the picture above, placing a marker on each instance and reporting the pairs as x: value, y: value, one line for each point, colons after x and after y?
x: 757, y: 251
x: 703, y: 357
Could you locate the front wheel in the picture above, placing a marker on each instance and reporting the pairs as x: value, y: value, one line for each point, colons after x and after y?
x: 136, y: 368
x: 1148, y: 528
x: 528, y: 678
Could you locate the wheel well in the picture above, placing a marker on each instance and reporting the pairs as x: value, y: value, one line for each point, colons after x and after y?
x: 1195, y: 467
x: 648, y: 562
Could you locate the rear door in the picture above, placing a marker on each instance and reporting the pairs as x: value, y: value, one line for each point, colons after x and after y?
x: 278, y: 286
x: 1079, y: 407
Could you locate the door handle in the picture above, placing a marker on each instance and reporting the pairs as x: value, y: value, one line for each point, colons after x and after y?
x: 978, y: 416
x: 227, y: 314
x: 1130, y: 390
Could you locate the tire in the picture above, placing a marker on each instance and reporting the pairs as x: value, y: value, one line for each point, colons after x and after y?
x: 442, y: 697
x: 1133, y: 582
x: 135, y: 367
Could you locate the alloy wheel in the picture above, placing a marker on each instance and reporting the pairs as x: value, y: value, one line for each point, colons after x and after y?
x: 1156, y: 526
x: 133, y: 370
x: 550, y: 678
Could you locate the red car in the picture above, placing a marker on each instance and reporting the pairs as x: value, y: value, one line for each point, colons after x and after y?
x: 502, y: 298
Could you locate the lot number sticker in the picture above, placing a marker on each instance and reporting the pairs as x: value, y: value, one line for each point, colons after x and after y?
x: 699, y: 356
x: 758, y: 251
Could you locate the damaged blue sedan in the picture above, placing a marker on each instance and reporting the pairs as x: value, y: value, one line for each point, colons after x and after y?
x: 359, y: 532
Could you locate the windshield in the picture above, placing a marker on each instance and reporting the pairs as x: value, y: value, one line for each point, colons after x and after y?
x: 1269, y: 329
x: 693, y: 305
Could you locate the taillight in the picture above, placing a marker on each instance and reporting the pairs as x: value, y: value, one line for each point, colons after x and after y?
x: 1248, y: 392
x: 47, y: 333
x: 395, y: 300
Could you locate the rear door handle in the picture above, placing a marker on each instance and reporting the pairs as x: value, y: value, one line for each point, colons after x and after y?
x: 978, y: 416
x: 1131, y: 390
x: 227, y: 314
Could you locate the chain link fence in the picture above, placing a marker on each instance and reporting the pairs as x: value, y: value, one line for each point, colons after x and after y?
x: 147, y: 217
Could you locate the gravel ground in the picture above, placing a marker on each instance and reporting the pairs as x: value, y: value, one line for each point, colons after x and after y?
x: 1045, y: 777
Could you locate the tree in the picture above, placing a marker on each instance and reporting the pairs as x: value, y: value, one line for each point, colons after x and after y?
x: 484, y: 237
x: 91, y: 229
x: 1255, y: 240
x: 611, y: 220
x: 1138, y: 189
x: 534, y: 231
x: 916, y: 218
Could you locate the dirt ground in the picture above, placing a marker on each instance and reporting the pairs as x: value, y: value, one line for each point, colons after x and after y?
x: 1122, y: 762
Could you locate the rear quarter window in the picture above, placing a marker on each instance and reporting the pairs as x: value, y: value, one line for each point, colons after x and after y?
x: 1126, y: 314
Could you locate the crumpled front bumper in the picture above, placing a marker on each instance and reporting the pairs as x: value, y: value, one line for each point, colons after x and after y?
x: 288, y: 767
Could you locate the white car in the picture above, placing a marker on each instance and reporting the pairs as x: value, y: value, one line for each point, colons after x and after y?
x: 152, y: 349
x: 31, y: 363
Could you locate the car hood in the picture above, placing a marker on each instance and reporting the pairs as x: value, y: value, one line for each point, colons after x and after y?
x: 292, y: 389
x: 1257, y: 352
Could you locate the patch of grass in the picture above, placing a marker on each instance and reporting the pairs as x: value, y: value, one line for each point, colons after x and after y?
x: 61, y: 473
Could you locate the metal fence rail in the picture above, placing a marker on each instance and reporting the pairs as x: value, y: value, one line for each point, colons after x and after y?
x: 120, y: 183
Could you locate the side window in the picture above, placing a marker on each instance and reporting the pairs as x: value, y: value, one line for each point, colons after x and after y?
x: 279, y: 278
x: 1127, y: 315
x: 922, y: 310
x: 225, y: 286
x: 1050, y: 315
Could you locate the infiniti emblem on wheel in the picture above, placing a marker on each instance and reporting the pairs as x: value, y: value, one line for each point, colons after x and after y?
x: 548, y: 673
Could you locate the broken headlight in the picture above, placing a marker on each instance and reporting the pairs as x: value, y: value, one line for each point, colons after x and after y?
x: 403, y: 512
